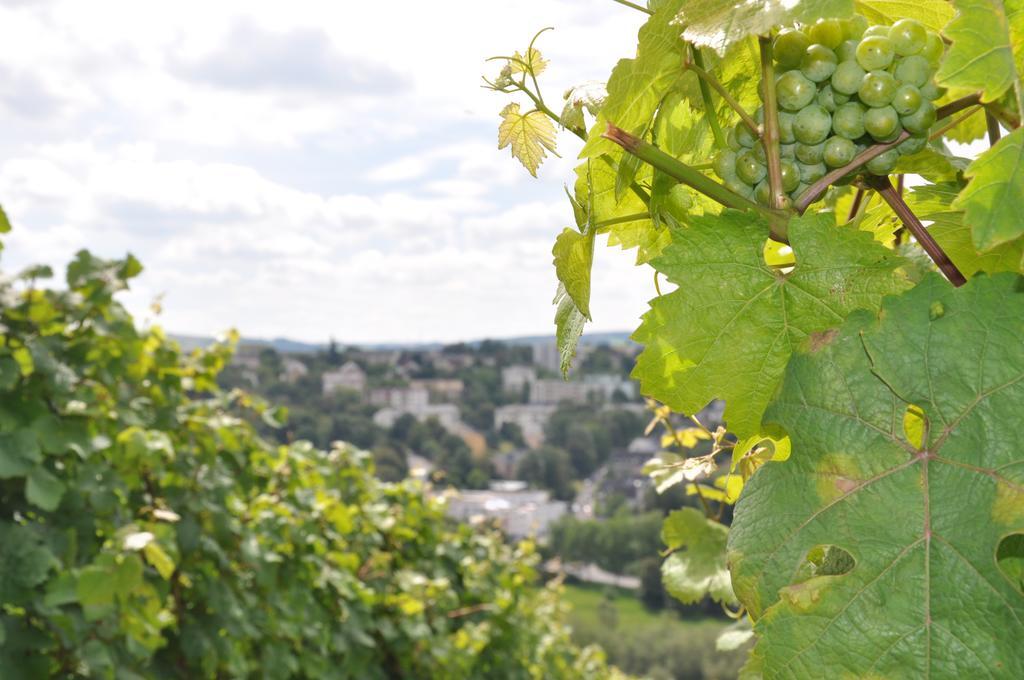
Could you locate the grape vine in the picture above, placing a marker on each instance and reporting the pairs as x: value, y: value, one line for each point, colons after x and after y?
x: 850, y: 286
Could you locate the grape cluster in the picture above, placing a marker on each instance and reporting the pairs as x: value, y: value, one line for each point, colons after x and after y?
x: 840, y: 86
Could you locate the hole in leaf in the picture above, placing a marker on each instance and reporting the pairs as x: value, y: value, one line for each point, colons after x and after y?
x: 825, y: 560
x: 915, y: 425
x: 1010, y: 560
x: 778, y: 256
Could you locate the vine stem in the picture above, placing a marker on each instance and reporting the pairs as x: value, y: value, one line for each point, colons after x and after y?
x: 891, y: 196
x: 631, y: 5
x: 705, y: 94
x: 993, y: 128
x: 711, y: 80
x: 684, y: 174
x: 770, y: 132
x: 855, y: 208
x: 815, y: 191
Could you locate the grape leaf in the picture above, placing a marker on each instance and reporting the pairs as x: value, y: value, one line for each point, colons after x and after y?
x: 529, y: 134
x: 637, y: 86
x: 934, y: 14
x: 24, y: 562
x: 19, y: 451
x: 985, y: 35
x: 697, y: 565
x: 719, y: 23
x: 993, y: 197
x: 934, y: 203
x: 569, y: 322
x: 921, y: 594
x: 573, y: 258
x: 533, y: 61
x: 43, y: 489
x: 729, y: 329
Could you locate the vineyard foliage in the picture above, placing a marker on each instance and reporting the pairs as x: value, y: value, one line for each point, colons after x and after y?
x: 832, y: 263
x: 148, y: 532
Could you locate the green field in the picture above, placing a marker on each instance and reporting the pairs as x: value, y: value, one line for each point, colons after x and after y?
x: 659, y: 645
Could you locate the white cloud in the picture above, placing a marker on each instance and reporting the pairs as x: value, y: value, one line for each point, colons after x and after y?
x: 305, y: 169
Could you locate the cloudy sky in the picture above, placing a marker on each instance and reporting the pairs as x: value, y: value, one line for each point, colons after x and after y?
x: 302, y: 169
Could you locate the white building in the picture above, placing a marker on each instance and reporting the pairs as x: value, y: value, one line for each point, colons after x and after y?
x: 514, y: 377
x: 607, y: 384
x: 400, y: 398
x: 555, y: 390
x: 546, y: 354
x: 531, y: 419
x: 518, y: 511
x: 348, y: 377
x: 444, y: 389
x: 293, y: 369
x: 447, y: 415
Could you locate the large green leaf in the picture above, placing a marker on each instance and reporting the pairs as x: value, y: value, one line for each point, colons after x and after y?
x: 934, y: 203
x: 995, y: 194
x: 573, y: 258
x: 985, y: 35
x: 719, y: 23
x: 637, y: 86
x: 729, y: 329
x: 919, y: 593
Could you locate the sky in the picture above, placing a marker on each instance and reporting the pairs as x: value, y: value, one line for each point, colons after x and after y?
x: 303, y: 169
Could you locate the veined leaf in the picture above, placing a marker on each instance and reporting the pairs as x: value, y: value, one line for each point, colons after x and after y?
x: 637, y: 86
x: 985, y: 35
x: 697, y: 565
x: 719, y: 23
x: 529, y: 134
x: 569, y: 322
x: 533, y: 60
x: 728, y: 298
x: 920, y: 593
x: 993, y: 198
x: 934, y: 204
x: 934, y: 14
x: 574, y: 257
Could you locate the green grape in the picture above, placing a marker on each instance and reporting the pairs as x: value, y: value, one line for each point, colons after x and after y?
x: 838, y: 152
x: 906, y: 100
x: 847, y: 77
x: 934, y: 48
x: 812, y: 124
x: 877, y: 88
x: 724, y: 163
x: 763, y: 193
x: 786, y: 127
x: 759, y: 153
x: 931, y: 91
x: 913, y: 145
x: 759, y: 114
x: 882, y: 122
x: 848, y: 121
x: 818, y: 63
x: 913, y: 70
x: 800, y: 188
x: 731, y: 141
x: 920, y: 121
x: 787, y: 150
x: 790, y: 175
x: 810, y: 153
x: 873, y: 31
x: 794, y: 91
x: 884, y: 164
x: 908, y: 37
x: 789, y: 47
x: 749, y: 169
x: 827, y: 32
x: 847, y: 51
x: 875, y: 53
x: 744, y: 136
x: 854, y: 27
x: 736, y: 185
x: 812, y: 172
x: 829, y: 99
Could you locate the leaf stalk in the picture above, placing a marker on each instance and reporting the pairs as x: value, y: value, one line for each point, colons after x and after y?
x: 770, y: 132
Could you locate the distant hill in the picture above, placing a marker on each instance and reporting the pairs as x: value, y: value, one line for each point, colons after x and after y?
x: 189, y: 342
